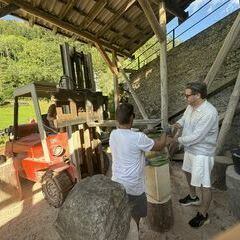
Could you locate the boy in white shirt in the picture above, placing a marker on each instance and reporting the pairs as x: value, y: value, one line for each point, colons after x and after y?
x: 128, y: 149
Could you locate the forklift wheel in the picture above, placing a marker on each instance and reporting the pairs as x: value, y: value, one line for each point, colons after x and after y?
x: 55, y: 187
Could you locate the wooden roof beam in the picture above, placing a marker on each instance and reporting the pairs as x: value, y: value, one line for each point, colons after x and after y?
x: 176, y: 11
x: 63, y: 25
x: 64, y: 11
x: 152, y: 19
x: 116, y: 17
x: 31, y: 20
x: 139, y: 36
x: 131, y: 24
x: 8, y: 9
x: 96, y: 9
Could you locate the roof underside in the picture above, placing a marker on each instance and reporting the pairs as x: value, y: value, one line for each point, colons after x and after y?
x: 118, y: 25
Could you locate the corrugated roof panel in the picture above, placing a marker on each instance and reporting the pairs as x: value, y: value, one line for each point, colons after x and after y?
x: 118, y: 21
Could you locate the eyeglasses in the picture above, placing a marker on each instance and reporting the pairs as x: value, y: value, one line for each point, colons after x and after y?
x: 188, y: 95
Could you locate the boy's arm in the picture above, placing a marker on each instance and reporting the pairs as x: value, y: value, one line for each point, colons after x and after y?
x: 161, y: 142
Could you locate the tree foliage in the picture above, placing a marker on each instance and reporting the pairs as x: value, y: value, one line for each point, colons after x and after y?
x: 33, y: 54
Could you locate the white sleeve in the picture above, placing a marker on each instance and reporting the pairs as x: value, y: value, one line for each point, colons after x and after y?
x: 181, y: 121
x: 145, y: 143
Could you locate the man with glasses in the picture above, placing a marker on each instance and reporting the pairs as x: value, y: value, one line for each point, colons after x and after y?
x: 128, y: 163
x: 199, y: 125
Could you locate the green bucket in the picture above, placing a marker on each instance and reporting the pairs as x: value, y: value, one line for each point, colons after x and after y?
x: 158, y: 161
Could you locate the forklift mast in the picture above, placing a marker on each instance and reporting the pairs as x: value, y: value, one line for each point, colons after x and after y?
x: 77, y: 69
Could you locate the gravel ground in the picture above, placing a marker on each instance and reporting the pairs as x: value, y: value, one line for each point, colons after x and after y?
x: 33, y: 219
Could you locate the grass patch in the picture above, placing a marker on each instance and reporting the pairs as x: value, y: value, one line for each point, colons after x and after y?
x: 26, y: 112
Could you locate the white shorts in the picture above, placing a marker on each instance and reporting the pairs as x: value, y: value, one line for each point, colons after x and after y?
x: 200, y: 167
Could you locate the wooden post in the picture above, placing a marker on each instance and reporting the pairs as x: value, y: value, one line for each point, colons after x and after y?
x: 134, y: 95
x: 227, y: 44
x: 146, y: 7
x: 163, y: 66
x: 115, y: 82
x: 232, y: 104
x: 115, y: 71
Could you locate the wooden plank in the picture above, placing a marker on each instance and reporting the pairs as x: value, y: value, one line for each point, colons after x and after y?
x: 73, y: 108
x: 135, y: 97
x: 88, y: 150
x: 227, y: 121
x: 152, y: 19
x: 136, y: 122
x: 115, y: 71
x: 64, y: 11
x: 63, y: 25
x: 8, y: 9
x: 115, y: 82
x: 96, y: 9
x: 227, y: 44
x: 163, y: 66
x: 128, y: 29
x: 106, y: 58
x: 178, y: 12
x: 115, y: 17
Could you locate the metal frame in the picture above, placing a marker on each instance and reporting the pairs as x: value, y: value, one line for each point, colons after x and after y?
x: 30, y: 90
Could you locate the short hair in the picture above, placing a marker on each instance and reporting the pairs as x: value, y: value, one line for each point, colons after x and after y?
x: 198, y: 87
x: 124, y: 112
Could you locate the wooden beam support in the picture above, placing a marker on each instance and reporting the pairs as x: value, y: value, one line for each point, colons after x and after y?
x: 163, y: 66
x: 152, y: 19
x: 104, y: 55
x: 231, y: 37
x: 179, y: 13
x: 128, y: 28
x: 96, y: 9
x: 61, y: 24
x: 115, y: 82
x: 139, y: 37
x: 115, y: 70
x: 31, y: 20
x: 64, y: 11
x: 227, y: 121
x: 8, y: 9
x: 134, y: 95
x: 115, y: 17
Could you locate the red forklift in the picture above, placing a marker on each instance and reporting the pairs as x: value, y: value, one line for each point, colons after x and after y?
x: 59, y: 156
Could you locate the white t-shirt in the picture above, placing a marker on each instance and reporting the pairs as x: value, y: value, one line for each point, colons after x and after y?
x: 128, y: 149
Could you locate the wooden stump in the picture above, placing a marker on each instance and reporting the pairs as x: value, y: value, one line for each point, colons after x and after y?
x: 158, y: 190
x: 219, y: 171
x: 160, y: 215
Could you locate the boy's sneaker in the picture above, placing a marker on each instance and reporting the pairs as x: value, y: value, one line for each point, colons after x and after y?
x: 188, y: 200
x: 199, y: 220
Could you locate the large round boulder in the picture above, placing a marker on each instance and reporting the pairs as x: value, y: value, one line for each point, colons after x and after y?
x: 95, y: 209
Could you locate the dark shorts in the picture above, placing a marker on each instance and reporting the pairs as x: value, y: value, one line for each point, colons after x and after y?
x: 139, y: 205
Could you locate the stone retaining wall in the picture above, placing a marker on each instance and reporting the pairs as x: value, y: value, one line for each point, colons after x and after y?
x: 191, y: 61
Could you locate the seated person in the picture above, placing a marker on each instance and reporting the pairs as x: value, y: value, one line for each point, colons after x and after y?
x: 52, y: 115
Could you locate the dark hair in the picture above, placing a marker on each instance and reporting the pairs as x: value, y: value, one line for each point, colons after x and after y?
x: 124, y: 112
x: 198, y: 87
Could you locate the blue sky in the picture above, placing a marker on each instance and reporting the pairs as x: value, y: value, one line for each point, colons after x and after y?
x: 222, y: 7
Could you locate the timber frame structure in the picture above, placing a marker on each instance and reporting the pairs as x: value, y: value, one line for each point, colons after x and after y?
x: 116, y: 26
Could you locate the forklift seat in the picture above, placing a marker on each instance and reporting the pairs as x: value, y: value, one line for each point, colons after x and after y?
x: 27, y: 129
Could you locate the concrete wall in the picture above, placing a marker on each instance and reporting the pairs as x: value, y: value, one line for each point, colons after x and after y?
x: 190, y: 61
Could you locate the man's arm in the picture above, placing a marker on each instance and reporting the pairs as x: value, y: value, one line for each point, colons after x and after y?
x: 204, y: 125
x: 180, y: 123
x: 161, y: 142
